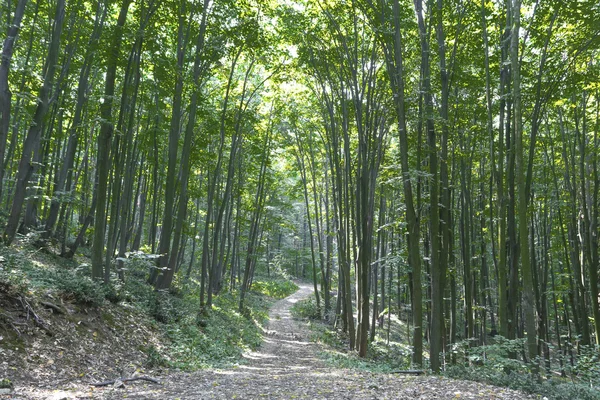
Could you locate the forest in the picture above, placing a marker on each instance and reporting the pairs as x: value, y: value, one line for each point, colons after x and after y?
x: 428, y: 163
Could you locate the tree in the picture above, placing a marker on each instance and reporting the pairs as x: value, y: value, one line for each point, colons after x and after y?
x: 32, y: 141
x: 5, y: 93
x: 528, y: 298
x: 99, y: 270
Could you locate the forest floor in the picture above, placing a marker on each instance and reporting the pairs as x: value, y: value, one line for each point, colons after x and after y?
x: 286, y: 366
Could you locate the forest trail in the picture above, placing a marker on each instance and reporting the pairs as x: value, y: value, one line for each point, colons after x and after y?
x: 287, y: 366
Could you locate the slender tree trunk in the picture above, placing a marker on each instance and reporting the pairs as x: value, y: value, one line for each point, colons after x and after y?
x: 166, y: 278
x: 156, y: 191
x: 217, y: 261
x: 212, y: 191
x: 130, y: 157
x: 7, y: 160
x: 255, y: 222
x: 434, y: 223
x: 593, y: 253
x: 395, y: 66
x: 100, y: 271
x: 528, y: 295
x: 5, y: 94
x: 302, y: 167
x: 141, y: 207
x: 32, y: 140
x: 172, y: 167
x: 82, y: 91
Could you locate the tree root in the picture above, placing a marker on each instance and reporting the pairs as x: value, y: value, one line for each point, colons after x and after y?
x: 135, y: 378
x: 409, y: 372
x: 10, y: 321
x: 39, y: 322
x: 56, y: 308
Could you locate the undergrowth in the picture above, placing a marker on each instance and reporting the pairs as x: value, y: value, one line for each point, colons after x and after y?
x: 381, y: 357
x: 554, y: 389
x: 491, y: 364
x: 193, y: 339
x: 219, y: 338
x: 306, y: 309
x: 277, y: 288
x: 29, y: 271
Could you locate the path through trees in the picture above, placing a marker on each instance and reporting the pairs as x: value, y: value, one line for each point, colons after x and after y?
x: 289, y: 366
x: 431, y: 160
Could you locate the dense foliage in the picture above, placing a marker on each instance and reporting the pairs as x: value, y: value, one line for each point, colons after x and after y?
x: 431, y: 161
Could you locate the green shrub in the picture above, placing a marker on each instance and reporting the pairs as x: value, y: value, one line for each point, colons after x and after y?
x: 160, y: 305
x: 6, y: 384
x: 112, y: 292
x: 393, y: 356
x: 587, y: 367
x: 381, y: 357
x: 306, y: 309
x: 276, y: 288
x: 13, y: 278
x: 492, y: 364
x: 220, y: 336
x: 495, y: 356
x: 13, y: 282
x: 325, y: 334
x: 22, y: 274
x: 165, y: 308
x: 552, y: 388
x: 154, y: 359
x: 81, y: 289
x: 137, y: 291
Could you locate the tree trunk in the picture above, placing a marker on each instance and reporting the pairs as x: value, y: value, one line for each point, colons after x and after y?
x: 82, y: 90
x: 100, y: 271
x: 165, y: 279
x: 172, y: 167
x: 32, y: 140
x: 259, y: 202
x: 5, y: 94
x: 437, y: 314
x: 395, y: 68
x: 528, y: 296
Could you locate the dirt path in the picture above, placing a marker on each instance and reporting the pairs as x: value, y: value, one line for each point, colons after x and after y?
x: 287, y: 366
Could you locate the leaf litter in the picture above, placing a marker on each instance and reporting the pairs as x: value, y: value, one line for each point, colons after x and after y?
x: 286, y: 366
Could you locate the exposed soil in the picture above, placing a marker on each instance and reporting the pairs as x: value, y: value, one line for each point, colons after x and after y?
x: 47, y: 342
x: 287, y: 366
